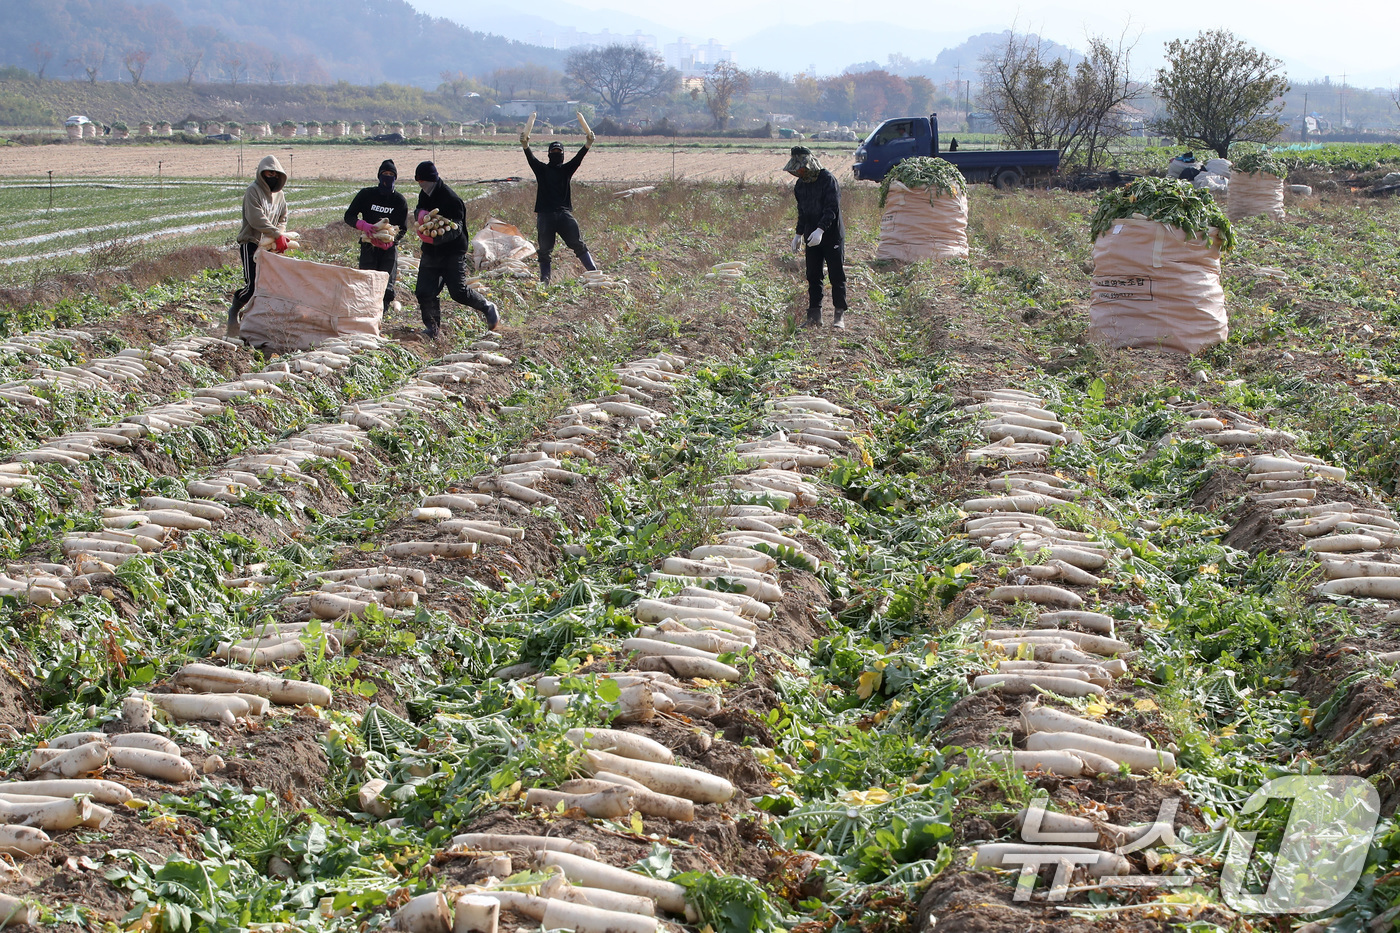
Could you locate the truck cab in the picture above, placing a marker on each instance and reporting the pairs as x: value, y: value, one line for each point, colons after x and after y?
x: 905, y: 137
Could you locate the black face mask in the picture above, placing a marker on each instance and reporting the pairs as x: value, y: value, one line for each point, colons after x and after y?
x: 556, y: 157
x: 275, y: 183
x: 386, y: 182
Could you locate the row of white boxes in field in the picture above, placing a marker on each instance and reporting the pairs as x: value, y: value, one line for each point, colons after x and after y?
x: 1070, y: 651
x: 152, y: 522
x: 680, y: 640
x: 1355, y: 543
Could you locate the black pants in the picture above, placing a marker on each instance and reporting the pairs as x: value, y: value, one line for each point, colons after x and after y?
x: 830, y: 254
x: 435, y: 271
x: 563, y: 224
x: 375, y: 259
x: 250, y: 281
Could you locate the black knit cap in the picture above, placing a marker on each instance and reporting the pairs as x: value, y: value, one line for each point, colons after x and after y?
x: 556, y: 144
x: 426, y: 171
x: 388, y: 166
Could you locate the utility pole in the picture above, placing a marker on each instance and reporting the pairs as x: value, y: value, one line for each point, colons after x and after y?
x: 1342, y: 103
x: 1305, y: 116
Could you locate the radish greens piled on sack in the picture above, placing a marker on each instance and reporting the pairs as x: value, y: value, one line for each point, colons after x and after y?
x: 1261, y: 162
x: 1167, y: 201
x: 939, y: 176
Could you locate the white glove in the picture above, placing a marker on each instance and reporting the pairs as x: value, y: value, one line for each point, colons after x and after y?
x: 796, y: 243
x: 816, y: 238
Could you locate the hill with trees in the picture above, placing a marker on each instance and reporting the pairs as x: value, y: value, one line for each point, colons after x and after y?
x: 263, y: 41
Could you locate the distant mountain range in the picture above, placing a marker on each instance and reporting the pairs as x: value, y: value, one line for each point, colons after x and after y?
x: 359, y: 41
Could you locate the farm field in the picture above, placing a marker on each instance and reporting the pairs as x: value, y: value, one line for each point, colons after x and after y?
x: 611, y: 161
x: 461, y: 551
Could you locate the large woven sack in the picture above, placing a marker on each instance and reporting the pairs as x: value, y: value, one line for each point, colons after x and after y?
x: 916, y: 226
x: 1254, y: 193
x: 1154, y: 287
x: 497, y: 242
x: 298, y: 303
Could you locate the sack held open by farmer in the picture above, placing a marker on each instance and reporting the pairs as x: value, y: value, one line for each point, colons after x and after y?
x: 554, y: 206
x: 444, y: 261
x: 379, y: 252
x: 820, y: 231
x: 264, y: 215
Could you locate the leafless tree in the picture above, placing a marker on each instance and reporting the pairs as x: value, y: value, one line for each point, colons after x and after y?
x: 725, y: 82
x: 190, y: 59
x: 235, y: 69
x: 42, y: 55
x: 90, y: 60
x: 136, y: 62
x: 1043, y: 103
x: 272, y: 67
x: 620, y: 75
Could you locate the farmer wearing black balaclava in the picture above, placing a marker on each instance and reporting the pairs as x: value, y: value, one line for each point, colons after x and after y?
x: 444, y: 257
x: 819, y: 228
x: 554, y: 205
x: 264, y: 217
x: 379, y: 251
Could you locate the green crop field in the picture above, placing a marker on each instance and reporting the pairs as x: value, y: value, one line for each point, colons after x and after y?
x: 853, y: 603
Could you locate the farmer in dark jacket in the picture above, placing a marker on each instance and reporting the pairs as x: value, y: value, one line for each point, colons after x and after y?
x: 819, y: 228
x: 554, y: 204
x: 380, y: 253
x: 444, y: 257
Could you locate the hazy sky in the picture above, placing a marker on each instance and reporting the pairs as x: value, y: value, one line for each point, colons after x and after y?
x: 1361, y: 39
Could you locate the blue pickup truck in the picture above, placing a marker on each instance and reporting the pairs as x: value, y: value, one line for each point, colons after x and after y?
x: 905, y: 137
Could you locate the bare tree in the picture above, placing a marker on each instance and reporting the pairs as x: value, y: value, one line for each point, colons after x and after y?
x: 725, y: 82
x: 454, y: 83
x: 42, y: 55
x: 90, y: 60
x: 272, y: 67
x: 1394, y: 95
x: 1216, y: 90
x: 190, y: 59
x: 235, y: 69
x: 1043, y: 103
x: 620, y: 75
x: 136, y: 62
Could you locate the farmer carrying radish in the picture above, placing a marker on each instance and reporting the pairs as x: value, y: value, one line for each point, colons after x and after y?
x: 264, y: 217
x: 442, y: 226
x: 554, y: 205
x: 819, y: 228
x: 381, y: 215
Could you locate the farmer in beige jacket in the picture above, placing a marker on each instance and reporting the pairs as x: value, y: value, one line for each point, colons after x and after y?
x: 264, y: 216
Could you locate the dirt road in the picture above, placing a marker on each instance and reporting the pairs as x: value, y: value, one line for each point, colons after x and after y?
x: 625, y: 164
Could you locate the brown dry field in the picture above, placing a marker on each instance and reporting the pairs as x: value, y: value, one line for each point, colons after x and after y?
x: 606, y: 163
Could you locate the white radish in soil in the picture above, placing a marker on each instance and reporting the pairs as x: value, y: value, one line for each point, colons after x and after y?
x: 698, y: 786
x: 1371, y: 587
x: 667, y: 895
x: 209, y: 678
x: 559, y: 888
x: 626, y: 744
x: 15, y: 912
x: 690, y: 667
x: 501, y: 842
x: 83, y: 759
x: 1072, y: 763
x: 1099, y: 864
x: 150, y: 763
x: 1093, y: 621
x: 644, y: 801
x: 583, y: 918
x: 52, y: 814
x: 107, y: 792
x: 1032, y: 682
x: 22, y: 841
x: 610, y: 803
x: 1042, y: 594
x: 1139, y: 759
x: 1047, y: 719
x: 213, y: 707
x: 472, y: 913
x: 426, y: 913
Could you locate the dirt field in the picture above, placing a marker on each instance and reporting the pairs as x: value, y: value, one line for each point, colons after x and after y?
x: 612, y: 163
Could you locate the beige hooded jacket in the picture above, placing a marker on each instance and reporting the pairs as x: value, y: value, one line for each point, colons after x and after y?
x: 264, y: 210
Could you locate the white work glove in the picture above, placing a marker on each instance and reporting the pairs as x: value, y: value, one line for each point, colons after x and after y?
x: 588, y: 140
x: 816, y: 238
x: 524, y: 140
x: 797, y: 243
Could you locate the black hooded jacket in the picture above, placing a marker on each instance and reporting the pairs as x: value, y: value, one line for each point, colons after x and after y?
x: 375, y: 204
x: 448, y: 205
x: 819, y: 205
x: 553, y: 192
